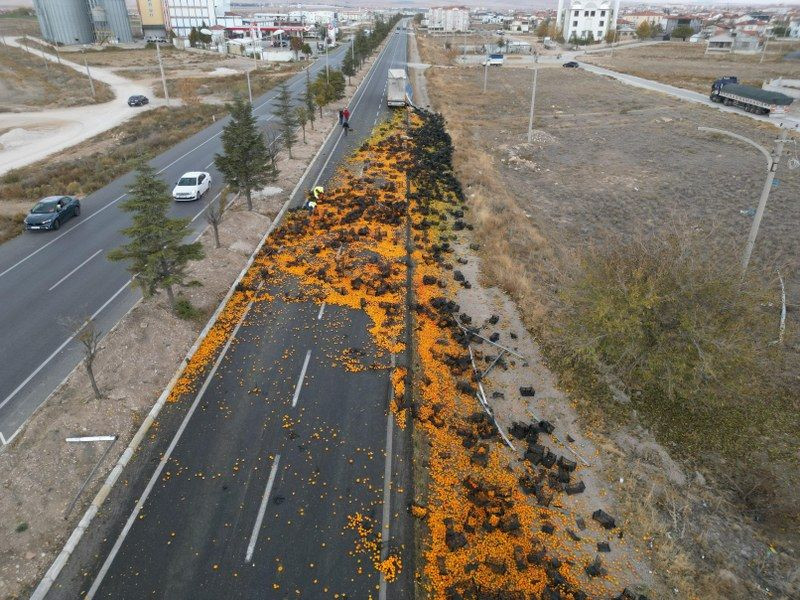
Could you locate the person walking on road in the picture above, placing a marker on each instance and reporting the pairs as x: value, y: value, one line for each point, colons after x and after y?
x: 346, y: 114
x: 341, y: 116
x: 345, y: 126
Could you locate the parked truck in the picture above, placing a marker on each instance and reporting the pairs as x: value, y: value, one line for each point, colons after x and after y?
x: 728, y: 91
x: 396, y: 90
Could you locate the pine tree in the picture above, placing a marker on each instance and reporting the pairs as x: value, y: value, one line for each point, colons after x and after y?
x: 287, y: 119
x: 348, y: 66
x: 301, y: 114
x: 245, y: 162
x: 308, y: 100
x: 337, y: 85
x: 156, y: 253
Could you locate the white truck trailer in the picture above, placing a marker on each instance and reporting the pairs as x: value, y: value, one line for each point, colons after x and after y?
x: 396, y: 90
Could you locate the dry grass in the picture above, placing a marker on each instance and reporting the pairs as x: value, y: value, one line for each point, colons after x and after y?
x: 26, y: 82
x: 686, y: 65
x: 10, y: 226
x: 94, y: 163
x: 224, y: 88
x: 609, y: 161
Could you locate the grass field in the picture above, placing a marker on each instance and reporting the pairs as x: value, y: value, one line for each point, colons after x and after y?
x: 687, y: 65
x: 28, y: 83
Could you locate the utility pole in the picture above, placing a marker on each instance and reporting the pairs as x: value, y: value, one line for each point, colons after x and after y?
x: 485, y: 72
x: 58, y: 54
x: 161, y: 68
x: 88, y: 72
x: 764, y: 49
x: 249, y: 88
x: 533, y: 103
x: 327, y: 67
x: 772, y: 167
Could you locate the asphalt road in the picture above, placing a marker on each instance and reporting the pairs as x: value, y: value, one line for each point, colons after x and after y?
x: 48, y: 279
x: 280, y: 447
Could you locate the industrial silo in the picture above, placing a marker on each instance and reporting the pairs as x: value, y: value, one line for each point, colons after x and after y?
x: 110, y: 19
x: 65, y: 21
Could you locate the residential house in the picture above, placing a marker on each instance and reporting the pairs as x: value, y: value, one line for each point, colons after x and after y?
x: 585, y: 19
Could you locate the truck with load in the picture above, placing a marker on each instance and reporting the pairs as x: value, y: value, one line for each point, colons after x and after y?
x: 728, y: 91
x: 396, y: 91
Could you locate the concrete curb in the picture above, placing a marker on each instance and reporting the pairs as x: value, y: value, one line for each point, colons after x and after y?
x: 55, y: 569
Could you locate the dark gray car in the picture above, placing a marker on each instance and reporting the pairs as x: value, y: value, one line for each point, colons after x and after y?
x: 51, y: 212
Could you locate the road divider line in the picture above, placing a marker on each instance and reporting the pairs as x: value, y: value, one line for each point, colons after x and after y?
x: 299, y: 385
x: 262, y: 509
x: 55, y: 239
x: 163, y: 462
x: 321, y: 310
x: 387, y: 484
x: 64, y: 278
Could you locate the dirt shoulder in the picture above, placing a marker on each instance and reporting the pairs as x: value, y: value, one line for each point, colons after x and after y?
x: 41, y: 473
x: 688, y: 66
x: 27, y: 84
x: 604, y: 162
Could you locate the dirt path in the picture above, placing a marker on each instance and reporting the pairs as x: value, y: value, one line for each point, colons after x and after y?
x: 34, y: 135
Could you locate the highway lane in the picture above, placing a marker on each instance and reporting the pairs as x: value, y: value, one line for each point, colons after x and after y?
x: 36, y: 347
x: 254, y: 498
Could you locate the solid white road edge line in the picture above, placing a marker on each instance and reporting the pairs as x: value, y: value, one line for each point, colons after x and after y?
x: 299, y: 385
x: 262, y: 509
x: 69, y: 547
x: 387, y: 485
x: 64, y: 278
x: 321, y: 310
x: 98, y: 580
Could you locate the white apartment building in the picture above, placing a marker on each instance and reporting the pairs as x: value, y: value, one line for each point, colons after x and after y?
x: 580, y: 18
x: 312, y: 17
x: 448, y: 19
x: 181, y: 15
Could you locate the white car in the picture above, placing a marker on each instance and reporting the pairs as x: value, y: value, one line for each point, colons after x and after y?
x: 191, y: 186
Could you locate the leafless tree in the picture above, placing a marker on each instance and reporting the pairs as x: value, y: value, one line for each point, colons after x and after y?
x: 214, y: 213
x: 88, y: 335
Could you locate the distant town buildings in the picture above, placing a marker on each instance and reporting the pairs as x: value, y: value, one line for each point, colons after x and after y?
x: 586, y: 19
x: 449, y: 19
x: 83, y: 21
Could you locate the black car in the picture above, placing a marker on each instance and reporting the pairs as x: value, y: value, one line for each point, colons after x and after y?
x: 137, y: 100
x: 51, y: 212
x: 571, y: 64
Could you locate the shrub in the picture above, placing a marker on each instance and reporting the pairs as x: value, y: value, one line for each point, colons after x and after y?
x: 22, y: 527
x: 673, y: 320
x: 186, y: 310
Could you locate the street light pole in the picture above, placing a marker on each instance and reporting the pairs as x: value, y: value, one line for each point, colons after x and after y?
x: 533, y: 102
x: 249, y: 88
x: 772, y: 166
x: 485, y: 72
x: 161, y: 68
x: 327, y: 67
